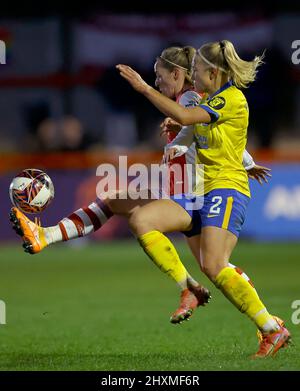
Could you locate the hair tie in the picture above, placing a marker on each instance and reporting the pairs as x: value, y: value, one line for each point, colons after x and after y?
x: 173, y: 63
x: 210, y: 63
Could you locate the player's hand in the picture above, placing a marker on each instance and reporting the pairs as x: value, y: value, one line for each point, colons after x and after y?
x: 169, y: 125
x: 133, y: 78
x: 260, y: 173
x: 169, y: 154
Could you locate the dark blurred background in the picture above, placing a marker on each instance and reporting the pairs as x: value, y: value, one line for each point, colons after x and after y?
x: 64, y: 107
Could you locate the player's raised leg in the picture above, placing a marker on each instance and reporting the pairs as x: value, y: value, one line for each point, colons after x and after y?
x: 148, y: 223
x: 80, y: 223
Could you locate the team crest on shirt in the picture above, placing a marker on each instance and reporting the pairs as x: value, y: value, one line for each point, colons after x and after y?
x: 217, y: 103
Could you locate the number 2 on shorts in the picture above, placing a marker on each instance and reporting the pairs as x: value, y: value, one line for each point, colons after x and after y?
x: 214, y: 209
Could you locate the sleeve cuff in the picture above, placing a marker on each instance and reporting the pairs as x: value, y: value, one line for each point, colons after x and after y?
x: 181, y: 149
x: 249, y: 166
x: 213, y: 115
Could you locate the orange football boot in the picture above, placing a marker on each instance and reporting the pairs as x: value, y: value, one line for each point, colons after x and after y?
x: 190, y: 299
x: 271, y: 343
x: 278, y: 320
x: 31, y: 232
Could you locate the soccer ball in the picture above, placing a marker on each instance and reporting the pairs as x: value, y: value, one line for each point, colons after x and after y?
x: 31, y: 191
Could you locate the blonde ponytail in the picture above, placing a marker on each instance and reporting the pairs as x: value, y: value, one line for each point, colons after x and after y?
x: 223, y: 55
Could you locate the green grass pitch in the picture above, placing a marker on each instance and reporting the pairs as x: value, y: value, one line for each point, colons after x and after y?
x: 107, y: 307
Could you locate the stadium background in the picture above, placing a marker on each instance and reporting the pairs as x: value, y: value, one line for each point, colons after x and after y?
x: 98, y: 303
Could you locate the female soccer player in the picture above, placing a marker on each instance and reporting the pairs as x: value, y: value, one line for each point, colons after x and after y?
x: 220, y: 133
x: 173, y: 79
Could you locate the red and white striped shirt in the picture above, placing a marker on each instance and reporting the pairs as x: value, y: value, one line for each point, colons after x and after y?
x: 187, y: 99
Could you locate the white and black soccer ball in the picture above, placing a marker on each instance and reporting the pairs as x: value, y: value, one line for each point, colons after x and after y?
x: 31, y: 190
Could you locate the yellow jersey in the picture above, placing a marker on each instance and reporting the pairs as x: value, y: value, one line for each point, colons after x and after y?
x: 221, y: 143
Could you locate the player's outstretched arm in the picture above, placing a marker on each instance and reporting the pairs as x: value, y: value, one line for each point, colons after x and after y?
x: 185, y: 116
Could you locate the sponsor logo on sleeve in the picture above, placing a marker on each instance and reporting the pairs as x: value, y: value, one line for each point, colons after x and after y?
x: 192, y: 103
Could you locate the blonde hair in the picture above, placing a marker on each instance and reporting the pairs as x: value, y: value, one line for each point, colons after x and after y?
x: 181, y: 57
x: 222, y: 55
